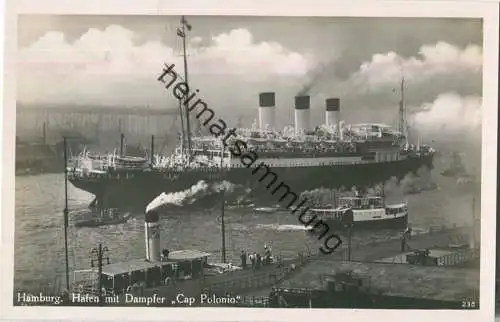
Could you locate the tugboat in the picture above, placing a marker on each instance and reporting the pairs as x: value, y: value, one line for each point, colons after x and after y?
x: 363, y: 212
x: 456, y: 169
x: 105, y: 217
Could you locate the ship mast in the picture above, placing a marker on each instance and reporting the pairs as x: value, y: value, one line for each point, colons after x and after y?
x: 223, y: 201
x: 181, y: 32
x: 472, y: 242
x: 65, y: 212
x: 402, y: 113
x: 182, y: 126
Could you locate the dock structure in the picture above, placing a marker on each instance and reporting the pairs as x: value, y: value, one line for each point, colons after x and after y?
x: 411, y: 281
x: 377, y: 263
x: 433, y: 239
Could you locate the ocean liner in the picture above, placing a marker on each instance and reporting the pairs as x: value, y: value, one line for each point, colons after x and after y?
x: 303, y: 156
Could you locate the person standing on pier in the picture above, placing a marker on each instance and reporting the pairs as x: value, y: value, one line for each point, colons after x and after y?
x: 408, y: 232
x: 403, y: 241
x: 267, y: 255
x: 252, y: 260
x: 259, y: 261
x: 243, y: 257
x: 164, y: 255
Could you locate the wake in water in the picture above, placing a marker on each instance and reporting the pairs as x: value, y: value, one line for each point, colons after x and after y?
x: 205, y: 195
x: 279, y: 227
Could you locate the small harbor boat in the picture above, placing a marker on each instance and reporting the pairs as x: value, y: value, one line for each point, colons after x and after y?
x: 419, y: 187
x: 104, y: 218
x: 456, y: 168
x: 367, y: 212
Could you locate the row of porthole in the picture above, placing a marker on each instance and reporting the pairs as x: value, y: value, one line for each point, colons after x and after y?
x: 301, y: 164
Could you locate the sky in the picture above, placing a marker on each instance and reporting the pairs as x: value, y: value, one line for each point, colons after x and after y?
x: 115, y: 60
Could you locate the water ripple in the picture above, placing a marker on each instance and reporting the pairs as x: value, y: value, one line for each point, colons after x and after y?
x: 39, y: 237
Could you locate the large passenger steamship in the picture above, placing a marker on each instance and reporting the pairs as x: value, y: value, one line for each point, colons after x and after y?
x: 329, y: 156
x: 303, y: 156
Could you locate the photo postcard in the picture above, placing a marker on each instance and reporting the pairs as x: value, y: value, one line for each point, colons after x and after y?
x: 249, y: 161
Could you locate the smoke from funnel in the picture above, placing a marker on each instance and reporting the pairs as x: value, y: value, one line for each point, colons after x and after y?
x: 189, y: 196
x: 177, y: 198
x: 313, y: 78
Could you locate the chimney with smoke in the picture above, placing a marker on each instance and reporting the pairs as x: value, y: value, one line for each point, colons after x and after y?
x: 302, y: 110
x: 266, y: 110
x: 332, y: 117
x: 152, y: 230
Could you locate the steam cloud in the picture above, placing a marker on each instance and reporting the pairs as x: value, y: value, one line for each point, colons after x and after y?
x: 440, y: 59
x: 392, y: 188
x: 450, y: 113
x: 177, y: 198
x: 453, y: 123
x: 189, y: 196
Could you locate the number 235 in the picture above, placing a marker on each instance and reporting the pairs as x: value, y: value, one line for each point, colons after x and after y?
x: 468, y: 304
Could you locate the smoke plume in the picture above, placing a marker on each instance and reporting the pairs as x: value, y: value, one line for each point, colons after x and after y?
x: 191, y: 195
x: 452, y: 123
x: 178, y: 198
x: 393, y: 189
x: 449, y: 114
x: 314, y: 77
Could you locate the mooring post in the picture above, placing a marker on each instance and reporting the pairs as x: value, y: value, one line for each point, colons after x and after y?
x: 66, y: 211
x: 97, y: 256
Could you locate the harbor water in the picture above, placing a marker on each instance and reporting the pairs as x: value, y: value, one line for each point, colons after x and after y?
x: 39, y: 235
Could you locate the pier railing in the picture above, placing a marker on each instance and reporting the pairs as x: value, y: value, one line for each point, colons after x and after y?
x: 459, y: 257
x: 260, y: 279
x: 254, y: 301
x: 255, y: 279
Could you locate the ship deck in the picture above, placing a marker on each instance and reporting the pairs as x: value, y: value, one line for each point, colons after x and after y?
x: 140, y: 264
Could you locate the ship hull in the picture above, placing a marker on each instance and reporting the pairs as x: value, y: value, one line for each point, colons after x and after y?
x: 397, y: 222
x: 137, y: 189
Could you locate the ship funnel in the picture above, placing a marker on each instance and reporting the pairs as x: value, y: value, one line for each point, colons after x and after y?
x: 152, y: 234
x: 267, y: 109
x: 302, y: 110
x: 332, y: 117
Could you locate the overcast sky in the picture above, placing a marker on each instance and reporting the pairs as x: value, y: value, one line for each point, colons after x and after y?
x: 115, y: 60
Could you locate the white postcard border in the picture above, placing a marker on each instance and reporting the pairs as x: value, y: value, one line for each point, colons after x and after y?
x: 487, y: 10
